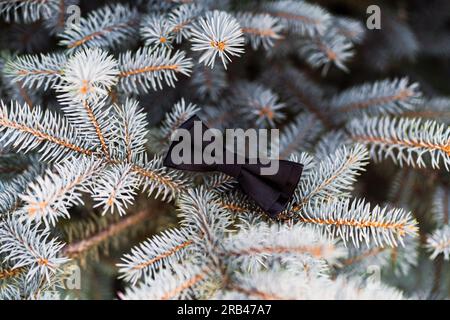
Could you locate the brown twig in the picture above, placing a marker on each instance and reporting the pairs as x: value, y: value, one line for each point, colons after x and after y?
x: 75, y: 250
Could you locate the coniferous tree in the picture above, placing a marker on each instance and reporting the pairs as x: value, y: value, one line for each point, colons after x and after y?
x: 88, y: 107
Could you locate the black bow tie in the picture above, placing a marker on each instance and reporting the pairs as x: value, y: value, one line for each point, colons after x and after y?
x: 271, y: 192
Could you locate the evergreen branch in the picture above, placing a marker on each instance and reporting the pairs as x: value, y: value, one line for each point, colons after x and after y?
x: 25, y: 245
x: 238, y: 208
x: 116, y: 188
x: 56, y: 22
x: 439, y: 243
x: 209, y: 83
x: 260, y: 30
x: 207, y: 221
x: 380, y: 97
x: 98, y: 130
x: 27, y: 10
x: 400, y: 260
x: 13, y: 165
x: 217, y: 34
x: 104, y: 27
x: 258, y: 104
x: 437, y: 108
x: 314, y: 250
x: 49, y: 196
x: 300, y: 17
x: 24, y: 94
x: 299, y: 134
x: 326, y: 50
x: 36, y: 71
x: 405, y: 141
x: 256, y: 293
x: 221, y: 116
x: 179, y: 282
x: 156, y: 31
x: 29, y: 129
x: 180, y: 112
x: 401, y: 187
x: 155, y: 176
x: 299, y: 90
x: 189, y: 283
x: 84, y: 88
x: 330, y: 142
x: 441, y: 205
x: 76, y: 249
x: 333, y: 177
x: 160, y: 251
x: 87, y: 77
x: 238, y: 204
x: 11, y: 190
x: 250, y: 248
x: 359, y: 222
x: 219, y: 182
x: 87, y: 227
x: 147, y: 68
x: 9, y: 292
x: 349, y: 28
x: 285, y: 286
x: 363, y: 256
x: 131, y: 128
x: 10, y: 273
x: 181, y: 18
